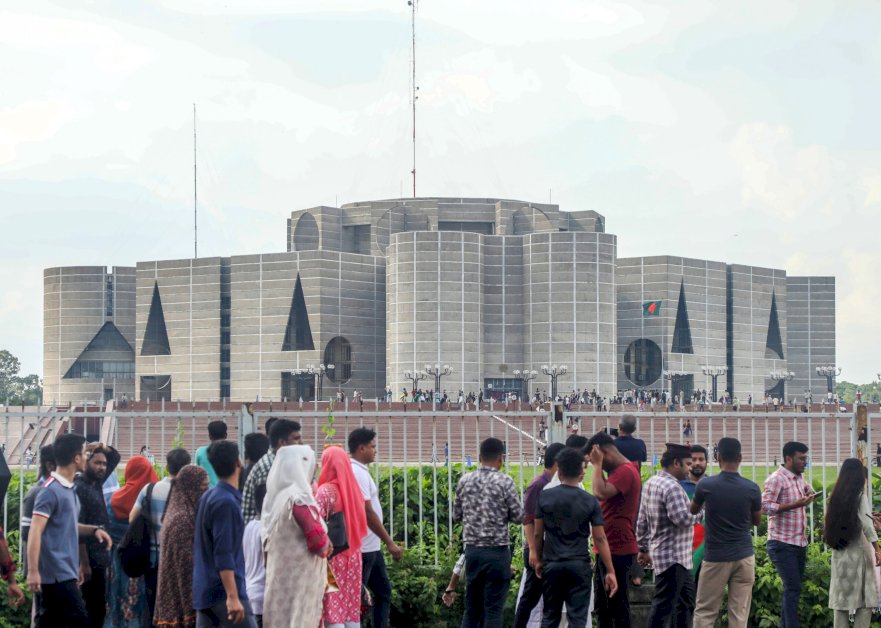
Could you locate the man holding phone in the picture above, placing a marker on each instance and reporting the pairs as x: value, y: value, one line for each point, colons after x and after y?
x: 784, y: 500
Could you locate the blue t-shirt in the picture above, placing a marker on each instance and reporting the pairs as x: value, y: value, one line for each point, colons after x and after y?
x: 729, y: 500
x: 202, y: 461
x: 632, y: 448
x: 220, y: 529
x: 59, y: 548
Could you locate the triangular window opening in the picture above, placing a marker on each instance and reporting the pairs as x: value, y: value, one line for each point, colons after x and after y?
x: 298, y: 333
x: 156, y: 334
x: 774, y: 344
x: 108, y: 355
x: 682, y: 330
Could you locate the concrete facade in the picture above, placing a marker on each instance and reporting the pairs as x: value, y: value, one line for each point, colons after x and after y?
x: 486, y: 286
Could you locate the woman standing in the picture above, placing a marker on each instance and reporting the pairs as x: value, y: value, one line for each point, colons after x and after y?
x: 127, y: 598
x: 174, y: 595
x: 295, y: 542
x: 338, y: 491
x: 849, y: 531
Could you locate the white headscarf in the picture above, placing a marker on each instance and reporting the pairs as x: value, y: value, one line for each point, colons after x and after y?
x: 289, y: 483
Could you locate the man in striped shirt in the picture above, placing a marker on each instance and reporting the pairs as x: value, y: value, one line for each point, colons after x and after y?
x: 784, y: 500
x: 664, y: 533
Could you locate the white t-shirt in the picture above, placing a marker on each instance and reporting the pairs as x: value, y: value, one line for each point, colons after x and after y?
x: 370, y: 491
x: 255, y: 570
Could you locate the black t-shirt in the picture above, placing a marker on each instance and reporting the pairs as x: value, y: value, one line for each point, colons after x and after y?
x: 568, y: 513
x: 729, y: 500
x: 632, y: 448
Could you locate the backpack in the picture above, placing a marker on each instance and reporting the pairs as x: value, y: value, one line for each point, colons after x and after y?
x: 134, y: 549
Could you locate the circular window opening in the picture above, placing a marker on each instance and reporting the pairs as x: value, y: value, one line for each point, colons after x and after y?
x: 642, y: 362
x: 339, y: 353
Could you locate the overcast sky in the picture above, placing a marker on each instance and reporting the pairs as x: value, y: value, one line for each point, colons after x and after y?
x: 742, y: 131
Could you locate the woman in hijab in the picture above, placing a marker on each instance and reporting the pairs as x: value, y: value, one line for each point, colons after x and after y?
x: 295, y: 542
x: 127, y: 598
x: 338, y: 491
x: 174, y: 596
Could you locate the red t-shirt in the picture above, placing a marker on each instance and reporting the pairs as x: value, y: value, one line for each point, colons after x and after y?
x: 619, y: 512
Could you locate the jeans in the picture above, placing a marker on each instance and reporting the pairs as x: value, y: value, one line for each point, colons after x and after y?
x: 217, y: 616
x: 62, y: 606
x: 94, y: 592
x: 566, y: 581
x: 789, y: 560
x: 613, y: 612
x: 487, y: 579
x: 375, y: 577
x: 674, y: 598
x: 530, y: 596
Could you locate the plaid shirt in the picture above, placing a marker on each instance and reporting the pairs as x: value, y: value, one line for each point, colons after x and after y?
x: 782, y: 487
x: 256, y: 477
x: 665, y: 527
x: 486, y: 502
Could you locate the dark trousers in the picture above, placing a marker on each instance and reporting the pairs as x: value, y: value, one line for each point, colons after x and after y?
x: 151, y: 581
x: 216, y: 617
x: 487, y: 579
x: 530, y: 596
x: 674, y: 598
x: 374, y: 576
x: 613, y: 612
x: 94, y: 592
x: 566, y: 581
x: 62, y: 606
x: 789, y: 560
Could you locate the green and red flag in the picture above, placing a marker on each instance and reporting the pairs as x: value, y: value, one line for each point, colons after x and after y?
x: 651, y: 308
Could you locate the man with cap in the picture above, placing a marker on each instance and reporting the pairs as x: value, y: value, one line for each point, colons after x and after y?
x: 664, y: 533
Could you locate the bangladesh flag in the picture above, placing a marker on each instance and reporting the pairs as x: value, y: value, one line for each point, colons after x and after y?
x: 651, y: 308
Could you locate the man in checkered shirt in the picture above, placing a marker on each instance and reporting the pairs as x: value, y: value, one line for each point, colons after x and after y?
x: 784, y: 500
x: 664, y: 532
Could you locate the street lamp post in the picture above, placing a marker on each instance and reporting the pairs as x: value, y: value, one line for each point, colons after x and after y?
x: 715, y: 372
x: 414, y: 376
x: 438, y: 371
x: 782, y: 376
x: 525, y: 376
x: 553, y: 372
x: 830, y: 372
x: 318, y: 372
x: 672, y: 376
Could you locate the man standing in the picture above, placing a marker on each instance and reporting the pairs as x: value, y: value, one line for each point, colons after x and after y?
x: 632, y: 448
x: 486, y: 502
x: 94, y: 557
x: 733, y: 505
x: 696, y: 474
x: 565, y: 519
x: 784, y: 500
x: 175, y: 460
x: 619, y: 498
x: 219, y: 594
x: 530, y: 585
x: 53, y: 542
x: 374, y: 576
x: 282, y: 432
x: 664, y: 531
x: 216, y: 432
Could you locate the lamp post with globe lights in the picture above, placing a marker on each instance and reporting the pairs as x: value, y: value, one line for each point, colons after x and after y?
x: 672, y: 376
x: 438, y: 372
x: 554, y: 372
x: 318, y: 372
x: 414, y: 376
x: 782, y: 376
x: 525, y: 376
x: 830, y: 372
x: 715, y: 372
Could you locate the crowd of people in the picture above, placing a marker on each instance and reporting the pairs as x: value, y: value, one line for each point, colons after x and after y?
x: 260, y: 539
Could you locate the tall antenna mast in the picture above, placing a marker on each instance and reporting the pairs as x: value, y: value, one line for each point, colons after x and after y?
x: 413, y: 86
x: 195, y: 193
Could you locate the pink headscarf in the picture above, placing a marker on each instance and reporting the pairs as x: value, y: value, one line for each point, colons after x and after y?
x: 336, y: 469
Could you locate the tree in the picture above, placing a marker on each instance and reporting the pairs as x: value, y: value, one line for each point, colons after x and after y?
x: 847, y: 391
x: 16, y: 390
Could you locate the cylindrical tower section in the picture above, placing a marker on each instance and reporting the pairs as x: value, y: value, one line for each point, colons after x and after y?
x: 433, y: 315
x: 569, y: 301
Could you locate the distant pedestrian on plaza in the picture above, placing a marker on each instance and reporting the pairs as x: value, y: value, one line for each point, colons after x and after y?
x: 282, y: 432
x: 617, y: 484
x: 220, y: 596
x: 784, y: 499
x: 53, y: 542
x: 631, y: 447
x: 216, y: 432
x: 665, y: 531
x: 486, y: 503
x: 849, y: 532
x: 530, y: 585
x: 566, y: 517
x: 732, y: 506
